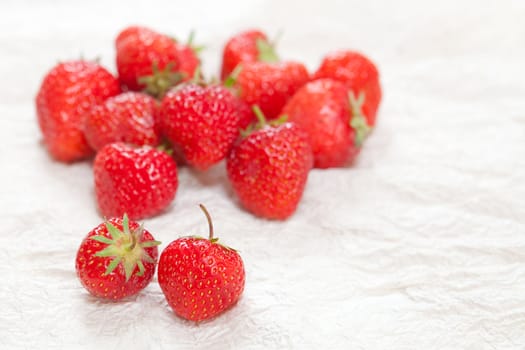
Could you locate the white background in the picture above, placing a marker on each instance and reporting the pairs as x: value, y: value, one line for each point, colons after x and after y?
x: 420, y: 245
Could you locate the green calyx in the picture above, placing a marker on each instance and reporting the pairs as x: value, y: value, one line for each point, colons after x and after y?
x: 230, y: 81
x: 190, y: 43
x: 262, y: 122
x: 198, y: 78
x: 166, y: 147
x: 161, y: 80
x: 358, y: 121
x: 266, y: 51
x: 126, y: 248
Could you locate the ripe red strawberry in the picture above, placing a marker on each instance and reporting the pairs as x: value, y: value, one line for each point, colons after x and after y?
x: 333, y: 120
x: 270, y: 85
x: 188, y: 61
x: 151, y: 60
x: 246, y: 115
x: 199, y: 277
x: 141, y: 182
x: 67, y: 92
x: 116, y: 259
x: 128, y: 117
x: 268, y: 168
x: 247, y: 46
x: 359, y: 74
x: 200, y: 121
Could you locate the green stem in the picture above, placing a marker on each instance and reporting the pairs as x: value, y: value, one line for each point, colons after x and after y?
x: 210, y: 224
x: 259, y: 114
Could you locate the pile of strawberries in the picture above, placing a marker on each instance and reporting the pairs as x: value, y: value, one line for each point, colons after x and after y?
x: 271, y: 120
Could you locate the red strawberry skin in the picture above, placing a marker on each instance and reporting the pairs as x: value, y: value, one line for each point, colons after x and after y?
x: 200, y: 278
x: 188, y: 61
x: 241, y: 48
x: 138, y: 48
x: 358, y: 73
x: 321, y: 108
x: 67, y: 92
x: 90, y: 268
x: 269, y: 168
x: 128, y: 117
x: 202, y: 122
x: 141, y: 182
x: 270, y: 85
x: 246, y: 116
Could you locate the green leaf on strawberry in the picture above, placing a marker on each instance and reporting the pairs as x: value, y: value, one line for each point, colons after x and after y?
x: 125, y: 247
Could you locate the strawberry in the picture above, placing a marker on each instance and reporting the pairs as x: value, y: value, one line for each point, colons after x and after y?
x: 69, y: 90
x: 199, y: 277
x: 141, y: 181
x: 116, y: 259
x: 153, y: 61
x: 332, y: 118
x: 269, y: 85
x: 188, y: 61
x: 359, y: 74
x: 247, y: 46
x: 269, y: 167
x: 201, y: 121
x: 128, y: 117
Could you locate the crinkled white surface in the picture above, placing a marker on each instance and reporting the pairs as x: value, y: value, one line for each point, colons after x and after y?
x: 420, y: 245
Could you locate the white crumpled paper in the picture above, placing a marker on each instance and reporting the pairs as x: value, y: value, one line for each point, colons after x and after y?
x: 420, y: 245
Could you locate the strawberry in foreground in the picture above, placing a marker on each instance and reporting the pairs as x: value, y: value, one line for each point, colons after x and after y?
x: 247, y: 46
x: 269, y: 166
x: 199, y: 277
x: 117, y: 259
x: 332, y: 118
x: 359, y: 74
x: 150, y: 60
x: 141, y: 181
x: 202, y: 122
x: 69, y: 90
x: 128, y: 117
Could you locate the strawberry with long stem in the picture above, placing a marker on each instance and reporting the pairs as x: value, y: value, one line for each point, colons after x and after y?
x: 199, y: 277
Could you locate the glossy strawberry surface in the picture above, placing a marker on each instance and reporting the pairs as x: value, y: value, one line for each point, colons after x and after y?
x: 202, y: 122
x: 141, y: 181
x: 268, y: 170
x: 242, y: 47
x: 321, y: 108
x: 358, y: 73
x: 270, y: 85
x: 200, y: 278
x: 138, y: 49
x: 67, y: 92
x: 128, y: 117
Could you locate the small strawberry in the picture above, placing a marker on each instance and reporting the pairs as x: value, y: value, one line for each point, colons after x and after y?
x: 359, y: 74
x: 247, y: 46
x: 128, y: 117
x: 69, y: 90
x: 141, y: 182
x: 202, y: 122
x: 269, y: 85
x: 188, y: 58
x: 199, y: 277
x: 116, y: 259
x: 153, y: 61
x: 332, y: 118
x: 269, y: 167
